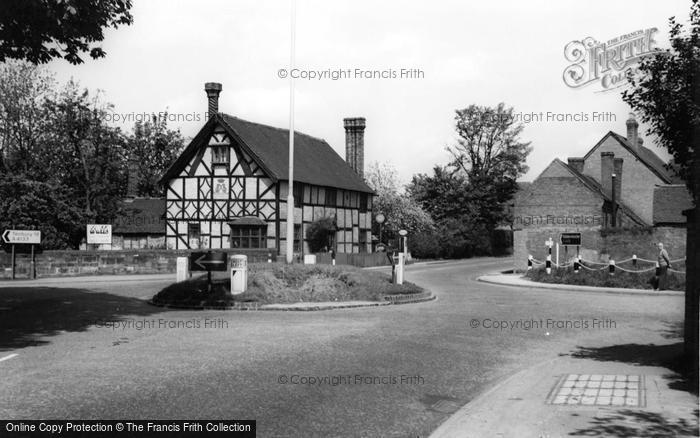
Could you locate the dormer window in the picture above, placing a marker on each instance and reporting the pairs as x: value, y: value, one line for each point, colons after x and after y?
x: 220, y: 155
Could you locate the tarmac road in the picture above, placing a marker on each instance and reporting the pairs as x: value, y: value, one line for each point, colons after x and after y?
x: 389, y: 371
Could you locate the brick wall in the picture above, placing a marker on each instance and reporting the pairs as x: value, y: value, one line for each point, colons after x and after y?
x: 637, y: 184
x: 600, y: 245
x: 74, y: 263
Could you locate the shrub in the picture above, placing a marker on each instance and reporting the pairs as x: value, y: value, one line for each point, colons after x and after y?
x: 319, y: 232
x: 425, y: 245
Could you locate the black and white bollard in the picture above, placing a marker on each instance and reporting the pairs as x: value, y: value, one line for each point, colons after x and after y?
x: 548, y: 264
x: 611, y: 267
x: 529, y: 262
x: 269, y: 257
x: 577, y: 265
x: 634, y: 259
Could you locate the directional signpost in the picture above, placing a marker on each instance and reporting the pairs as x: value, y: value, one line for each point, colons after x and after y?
x: 23, y: 238
x: 208, y: 261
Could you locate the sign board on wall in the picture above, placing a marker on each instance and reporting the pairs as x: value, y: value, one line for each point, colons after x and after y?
x: 570, y: 239
x: 99, y: 234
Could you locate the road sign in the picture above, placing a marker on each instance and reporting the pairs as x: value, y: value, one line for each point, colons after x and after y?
x: 570, y: 239
x: 208, y: 261
x: 99, y: 234
x: 22, y: 236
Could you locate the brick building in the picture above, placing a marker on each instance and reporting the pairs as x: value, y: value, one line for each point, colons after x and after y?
x: 228, y: 189
x: 618, y: 184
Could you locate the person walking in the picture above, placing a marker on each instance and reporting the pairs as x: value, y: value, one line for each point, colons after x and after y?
x: 664, y: 263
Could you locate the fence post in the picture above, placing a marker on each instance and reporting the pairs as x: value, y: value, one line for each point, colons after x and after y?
x: 577, y: 261
x: 611, y: 267
x: 529, y: 262
x: 549, y: 263
x: 634, y: 259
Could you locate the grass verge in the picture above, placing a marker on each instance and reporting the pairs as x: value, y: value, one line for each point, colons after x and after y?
x: 602, y: 278
x: 283, y: 284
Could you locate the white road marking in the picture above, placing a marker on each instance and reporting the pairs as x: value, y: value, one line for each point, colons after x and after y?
x: 8, y: 357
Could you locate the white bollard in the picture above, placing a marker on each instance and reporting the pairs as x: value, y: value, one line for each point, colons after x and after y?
x: 399, y: 269
x: 183, y: 269
x: 309, y: 259
x: 239, y: 274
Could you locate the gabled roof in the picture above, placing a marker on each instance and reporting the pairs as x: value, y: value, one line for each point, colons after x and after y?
x: 141, y: 216
x: 644, y: 155
x: 315, y: 162
x: 670, y: 202
x: 595, y: 187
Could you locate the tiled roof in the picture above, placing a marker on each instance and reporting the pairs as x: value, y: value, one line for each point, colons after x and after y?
x: 141, y: 216
x: 648, y: 158
x: 669, y: 203
x: 315, y: 162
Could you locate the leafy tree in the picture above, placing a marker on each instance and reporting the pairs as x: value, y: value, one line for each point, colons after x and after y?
x: 24, y: 88
x: 319, y: 232
x: 491, y: 157
x: 86, y: 154
x: 153, y: 147
x: 665, y: 91
x: 399, y: 209
x: 443, y: 194
x: 37, y: 205
x: 41, y: 30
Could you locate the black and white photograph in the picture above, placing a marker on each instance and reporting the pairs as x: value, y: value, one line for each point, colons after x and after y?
x: 306, y: 218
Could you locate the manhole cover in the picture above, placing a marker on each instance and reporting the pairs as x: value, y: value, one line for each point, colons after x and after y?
x: 599, y: 390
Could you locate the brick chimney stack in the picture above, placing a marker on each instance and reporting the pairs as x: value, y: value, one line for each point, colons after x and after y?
x: 632, y: 132
x: 213, y: 90
x: 355, y: 144
x: 576, y: 164
x: 607, y: 168
x: 617, y: 169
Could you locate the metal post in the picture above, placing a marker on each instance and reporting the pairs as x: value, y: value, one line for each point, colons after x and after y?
x: 13, y: 261
x: 290, y: 195
x: 32, y: 266
x: 614, y: 203
x: 557, y: 264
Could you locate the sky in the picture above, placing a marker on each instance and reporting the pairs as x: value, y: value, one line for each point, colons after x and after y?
x: 461, y: 53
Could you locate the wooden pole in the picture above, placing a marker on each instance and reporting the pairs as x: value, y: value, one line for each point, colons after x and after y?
x: 32, y: 266
x: 13, y: 261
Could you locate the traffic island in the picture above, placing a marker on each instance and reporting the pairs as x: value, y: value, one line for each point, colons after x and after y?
x: 602, y: 278
x: 276, y: 286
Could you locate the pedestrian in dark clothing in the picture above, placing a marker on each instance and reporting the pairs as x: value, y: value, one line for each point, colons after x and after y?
x: 663, y: 265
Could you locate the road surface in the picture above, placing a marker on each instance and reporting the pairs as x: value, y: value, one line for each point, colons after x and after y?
x: 390, y: 371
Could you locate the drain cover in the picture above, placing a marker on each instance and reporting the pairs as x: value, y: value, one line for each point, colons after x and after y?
x: 599, y: 390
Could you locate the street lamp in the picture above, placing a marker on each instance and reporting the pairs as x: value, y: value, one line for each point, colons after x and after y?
x: 380, y: 220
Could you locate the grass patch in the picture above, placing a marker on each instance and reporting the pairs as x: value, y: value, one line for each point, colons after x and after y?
x: 602, y: 278
x: 283, y: 284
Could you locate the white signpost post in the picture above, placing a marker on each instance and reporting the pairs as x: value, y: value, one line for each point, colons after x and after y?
x: 22, y: 237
